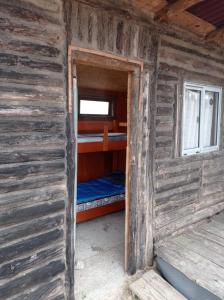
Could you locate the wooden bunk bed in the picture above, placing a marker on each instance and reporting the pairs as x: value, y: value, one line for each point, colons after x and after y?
x: 99, y: 142
x: 112, y: 138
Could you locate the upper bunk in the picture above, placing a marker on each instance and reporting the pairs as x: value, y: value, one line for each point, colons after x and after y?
x: 101, y: 136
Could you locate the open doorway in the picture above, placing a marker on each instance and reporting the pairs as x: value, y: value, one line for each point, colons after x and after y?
x: 101, y: 169
x: 107, y: 99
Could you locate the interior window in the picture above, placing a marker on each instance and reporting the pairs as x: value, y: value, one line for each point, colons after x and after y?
x: 94, y: 108
x: 201, y: 119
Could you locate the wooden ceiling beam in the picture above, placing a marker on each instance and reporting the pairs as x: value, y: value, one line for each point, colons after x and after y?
x: 178, y: 6
x: 176, y: 13
x: 191, y: 22
x: 149, y: 7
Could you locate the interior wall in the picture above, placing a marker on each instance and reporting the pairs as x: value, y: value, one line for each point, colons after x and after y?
x: 32, y: 150
x: 102, y: 79
x: 93, y: 165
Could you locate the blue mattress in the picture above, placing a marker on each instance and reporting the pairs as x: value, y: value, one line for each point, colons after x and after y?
x: 111, y: 185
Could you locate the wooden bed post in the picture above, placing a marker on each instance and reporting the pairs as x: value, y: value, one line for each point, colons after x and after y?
x: 105, y: 138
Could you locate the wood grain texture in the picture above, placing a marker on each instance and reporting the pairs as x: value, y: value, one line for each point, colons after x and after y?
x: 187, y: 189
x: 122, y: 36
x: 151, y: 286
x: 183, y: 190
x: 192, y: 253
x: 34, y: 126
x: 32, y: 139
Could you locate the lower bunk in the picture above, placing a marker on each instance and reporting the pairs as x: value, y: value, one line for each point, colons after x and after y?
x: 101, y: 196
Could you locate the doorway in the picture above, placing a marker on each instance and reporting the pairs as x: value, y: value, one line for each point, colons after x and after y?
x: 85, y: 61
x: 101, y: 171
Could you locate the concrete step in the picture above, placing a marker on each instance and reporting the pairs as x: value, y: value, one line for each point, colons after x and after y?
x: 151, y: 286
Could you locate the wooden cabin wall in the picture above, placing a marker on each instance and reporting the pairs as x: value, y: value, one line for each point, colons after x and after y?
x: 187, y: 189
x: 108, y: 30
x: 32, y: 150
x: 96, y: 27
x: 32, y: 139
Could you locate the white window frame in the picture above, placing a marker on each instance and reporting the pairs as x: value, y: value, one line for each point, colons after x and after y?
x: 203, y: 89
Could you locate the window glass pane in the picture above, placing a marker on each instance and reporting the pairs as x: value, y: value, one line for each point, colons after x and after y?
x: 89, y: 107
x: 209, y: 128
x: 191, y: 119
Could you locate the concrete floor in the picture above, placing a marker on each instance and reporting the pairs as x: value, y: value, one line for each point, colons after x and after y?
x: 100, y: 259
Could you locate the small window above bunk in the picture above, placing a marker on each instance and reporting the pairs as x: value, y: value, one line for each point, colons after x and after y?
x: 95, y: 108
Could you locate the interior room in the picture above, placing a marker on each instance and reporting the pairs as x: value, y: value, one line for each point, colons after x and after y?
x: 100, y: 206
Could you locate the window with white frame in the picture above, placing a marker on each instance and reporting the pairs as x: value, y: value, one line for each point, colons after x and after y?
x: 201, y: 118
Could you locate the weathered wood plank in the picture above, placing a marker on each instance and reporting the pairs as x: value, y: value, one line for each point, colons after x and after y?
x: 9, y: 270
x: 21, y: 171
x: 19, y: 231
x: 41, y: 292
x: 151, y: 286
x: 194, y: 266
x: 32, y: 143
x: 36, y: 195
x: 26, y: 246
x: 189, y: 219
x: 25, y: 92
x: 15, y: 77
x: 41, y: 34
x: 215, y: 228
x: 219, y: 218
x: 198, y: 254
x: 35, y: 211
x: 209, y: 236
x: 203, y: 247
x: 28, y: 12
x: 32, y: 278
x: 25, y: 156
x: 30, y: 48
x: 23, y: 140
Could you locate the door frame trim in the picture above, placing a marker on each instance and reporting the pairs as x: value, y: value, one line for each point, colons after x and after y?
x: 135, y: 69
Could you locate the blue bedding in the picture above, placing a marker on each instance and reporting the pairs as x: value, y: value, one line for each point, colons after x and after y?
x: 111, y: 185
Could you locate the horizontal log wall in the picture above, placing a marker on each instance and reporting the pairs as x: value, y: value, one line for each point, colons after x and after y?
x: 32, y: 150
x: 187, y: 189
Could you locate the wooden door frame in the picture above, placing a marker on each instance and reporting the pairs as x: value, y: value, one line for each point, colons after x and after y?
x: 136, y: 90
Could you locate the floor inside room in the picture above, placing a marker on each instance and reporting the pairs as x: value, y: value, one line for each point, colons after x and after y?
x: 100, y: 258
